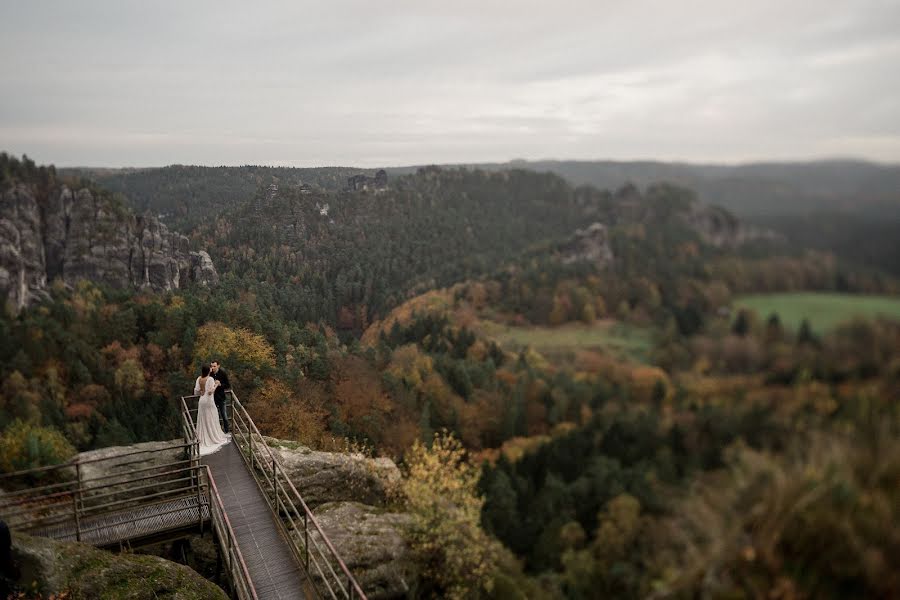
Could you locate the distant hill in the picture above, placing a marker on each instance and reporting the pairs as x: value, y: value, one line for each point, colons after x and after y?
x: 759, y: 189
x: 188, y: 195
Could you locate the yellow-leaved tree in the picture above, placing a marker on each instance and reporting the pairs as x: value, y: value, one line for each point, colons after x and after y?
x: 457, y: 558
x: 28, y: 446
x: 242, y: 353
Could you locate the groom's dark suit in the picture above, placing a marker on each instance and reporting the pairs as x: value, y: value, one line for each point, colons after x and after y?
x: 219, y: 395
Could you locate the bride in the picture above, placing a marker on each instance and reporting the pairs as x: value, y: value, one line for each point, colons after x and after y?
x: 209, y: 432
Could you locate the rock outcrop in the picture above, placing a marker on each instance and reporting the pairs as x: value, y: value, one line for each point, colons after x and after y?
x: 49, y: 567
x: 372, y: 545
x: 364, y: 182
x: 718, y: 227
x: 73, y: 235
x: 322, y: 477
x: 590, y: 244
x: 350, y: 497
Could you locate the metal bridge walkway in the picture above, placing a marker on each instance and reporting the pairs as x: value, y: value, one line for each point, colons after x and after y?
x: 273, y: 569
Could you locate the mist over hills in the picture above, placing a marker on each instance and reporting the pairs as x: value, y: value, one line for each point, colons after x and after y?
x: 749, y: 190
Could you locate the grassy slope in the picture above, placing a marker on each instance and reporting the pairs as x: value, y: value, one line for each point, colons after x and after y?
x: 624, y: 341
x: 824, y: 311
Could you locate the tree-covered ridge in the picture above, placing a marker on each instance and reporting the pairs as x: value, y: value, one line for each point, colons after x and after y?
x: 790, y: 188
x: 190, y: 196
x: 348, y: 257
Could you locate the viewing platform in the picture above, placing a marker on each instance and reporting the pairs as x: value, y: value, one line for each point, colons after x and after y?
x: 270, y: 544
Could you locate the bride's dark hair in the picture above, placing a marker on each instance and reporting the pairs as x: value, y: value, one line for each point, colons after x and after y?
x: 204, y: 370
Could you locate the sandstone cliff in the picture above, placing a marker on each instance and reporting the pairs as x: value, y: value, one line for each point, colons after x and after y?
x: 71, y: 235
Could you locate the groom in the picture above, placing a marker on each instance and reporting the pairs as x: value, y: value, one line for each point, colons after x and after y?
x: 222, y: 384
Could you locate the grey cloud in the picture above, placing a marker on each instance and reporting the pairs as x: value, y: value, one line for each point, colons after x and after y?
x: 120, y: 83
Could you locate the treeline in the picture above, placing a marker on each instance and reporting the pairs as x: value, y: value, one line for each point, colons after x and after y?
x: 189, y: 196
x: 869, y: 242
x: 104, y: 368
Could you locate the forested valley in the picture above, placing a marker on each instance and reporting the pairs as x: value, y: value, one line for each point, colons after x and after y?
x: 579, y: 362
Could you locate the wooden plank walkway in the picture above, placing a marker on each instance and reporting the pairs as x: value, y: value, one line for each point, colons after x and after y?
x: 112, y: 528
x: 270, y: 562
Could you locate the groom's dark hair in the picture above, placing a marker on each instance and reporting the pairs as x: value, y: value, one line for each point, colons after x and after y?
x: 204, y: 370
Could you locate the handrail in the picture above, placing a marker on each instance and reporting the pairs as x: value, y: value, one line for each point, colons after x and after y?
x: 289, y: 494
x: 34, y: 512
x: 235, y: 560
x: 15, y: 504
x: 122, y: 480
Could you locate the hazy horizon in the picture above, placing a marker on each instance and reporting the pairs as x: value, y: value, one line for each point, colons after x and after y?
x: 105, y: 84
x: 513, y: 161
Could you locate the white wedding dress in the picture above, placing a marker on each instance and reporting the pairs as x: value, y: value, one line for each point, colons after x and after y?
x: 209, y: 432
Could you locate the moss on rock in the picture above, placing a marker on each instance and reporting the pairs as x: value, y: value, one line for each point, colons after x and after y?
x: 49, y: 566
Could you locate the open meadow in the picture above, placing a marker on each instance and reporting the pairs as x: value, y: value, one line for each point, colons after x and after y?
x: 824, y: 311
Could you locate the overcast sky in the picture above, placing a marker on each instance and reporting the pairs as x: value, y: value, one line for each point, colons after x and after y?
x: 380, y: 83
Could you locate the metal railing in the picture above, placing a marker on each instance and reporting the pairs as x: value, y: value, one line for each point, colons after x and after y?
x: 75, y: 499
x: 313, y: 550
x: 234, y: 561
x: 112, y: 509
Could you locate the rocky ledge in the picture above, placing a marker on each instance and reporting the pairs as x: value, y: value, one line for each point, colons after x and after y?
x: 371, y: 543
x: 350, y: 496
x: 322, y: 477
x: 72, y: 235
x: 43, y: 567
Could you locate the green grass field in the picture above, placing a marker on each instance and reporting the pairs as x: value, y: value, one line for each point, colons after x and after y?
x: 824, y: 311
x: 627, y: 342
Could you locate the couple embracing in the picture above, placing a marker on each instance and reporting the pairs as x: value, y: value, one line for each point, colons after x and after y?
x: 211, y: 386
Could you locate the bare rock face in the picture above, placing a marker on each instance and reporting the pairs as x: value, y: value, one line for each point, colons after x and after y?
x: 372, y: 545
x: 51, y: 567
x: 720, y: 228
x: 322, y: 477
x: 364, y: 182
x: 590, y: 244
x: 71, y: 235
x: 348, y: 494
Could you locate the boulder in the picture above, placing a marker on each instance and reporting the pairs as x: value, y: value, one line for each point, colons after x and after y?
x: 199, y: 552
x: 322, y: 477
x: 160, y: 454
x: 47, y: 567
x: 372, y: 545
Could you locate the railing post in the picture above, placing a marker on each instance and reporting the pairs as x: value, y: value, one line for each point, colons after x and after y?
x: 196, y: 472
x: 275, y: 486
x: 250, y: 435
x: 76, y: 501
x: 306, y: 540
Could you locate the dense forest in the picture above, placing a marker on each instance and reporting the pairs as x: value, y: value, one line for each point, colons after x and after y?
x: 568, y: 363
